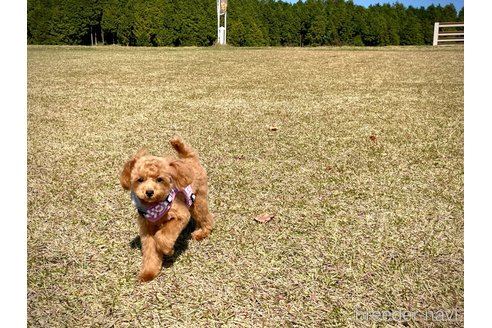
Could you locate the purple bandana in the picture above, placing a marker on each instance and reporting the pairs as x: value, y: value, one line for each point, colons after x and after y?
x: 156, y: 212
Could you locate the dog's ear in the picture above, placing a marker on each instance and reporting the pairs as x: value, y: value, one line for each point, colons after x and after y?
x: 125, y: 176
x: 181, y: 176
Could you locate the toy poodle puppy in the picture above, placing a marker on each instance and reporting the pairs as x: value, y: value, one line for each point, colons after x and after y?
x: 166, y: 192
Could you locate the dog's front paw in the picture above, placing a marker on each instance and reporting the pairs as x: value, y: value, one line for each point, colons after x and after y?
x: 165, y: 249
x: 168, y: 252
x: 147, y: 275
x: 200, y: 234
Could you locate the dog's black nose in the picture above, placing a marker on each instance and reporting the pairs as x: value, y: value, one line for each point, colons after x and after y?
x: 149, y: 193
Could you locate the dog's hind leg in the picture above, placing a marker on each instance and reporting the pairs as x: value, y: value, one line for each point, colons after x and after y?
x: 203, y: 218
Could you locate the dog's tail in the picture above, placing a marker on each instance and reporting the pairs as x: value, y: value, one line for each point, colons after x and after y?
x: 183, y: 150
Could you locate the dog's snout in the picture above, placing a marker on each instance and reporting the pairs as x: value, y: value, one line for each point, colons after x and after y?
x: 149, y: 193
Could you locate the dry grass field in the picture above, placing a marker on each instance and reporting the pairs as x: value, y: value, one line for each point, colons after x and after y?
x: 363, y: 172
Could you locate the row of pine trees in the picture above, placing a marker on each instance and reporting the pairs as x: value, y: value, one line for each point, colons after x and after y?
x: 249, y: 23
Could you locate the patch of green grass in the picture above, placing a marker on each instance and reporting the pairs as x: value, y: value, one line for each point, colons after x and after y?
x: 364, y: 176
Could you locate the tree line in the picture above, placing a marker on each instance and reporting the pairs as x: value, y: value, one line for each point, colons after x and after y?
x: 249, y: 23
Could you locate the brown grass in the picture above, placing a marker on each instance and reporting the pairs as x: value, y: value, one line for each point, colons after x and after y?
x: 364, y: 174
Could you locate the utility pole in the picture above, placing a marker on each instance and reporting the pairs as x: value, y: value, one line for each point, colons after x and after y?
x: 221, y: 30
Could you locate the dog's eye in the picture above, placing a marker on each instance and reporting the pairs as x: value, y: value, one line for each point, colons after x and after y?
x: 140, y: 180
x: 159, y: 179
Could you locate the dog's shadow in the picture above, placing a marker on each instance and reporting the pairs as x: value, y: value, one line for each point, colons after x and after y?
x: 180, y: 246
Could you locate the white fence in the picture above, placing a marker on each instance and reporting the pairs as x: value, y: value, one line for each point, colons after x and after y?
x: 449, y: 33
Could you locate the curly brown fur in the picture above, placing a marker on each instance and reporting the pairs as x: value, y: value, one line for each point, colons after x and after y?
x: 151, y: 178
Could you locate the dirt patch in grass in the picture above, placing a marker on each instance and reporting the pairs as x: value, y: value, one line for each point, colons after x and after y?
x: 363, y: 173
